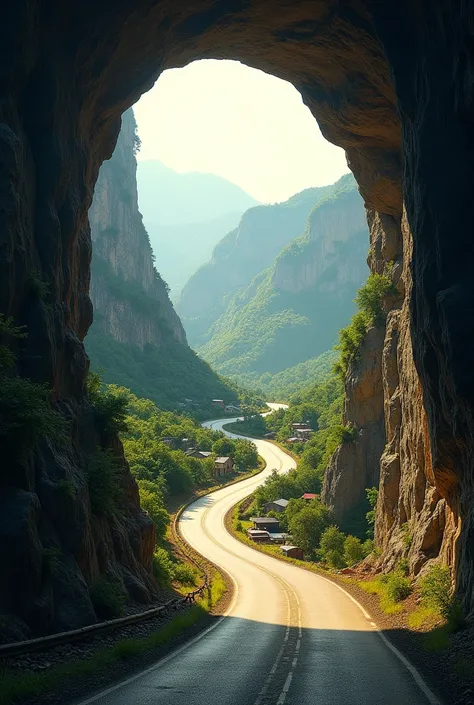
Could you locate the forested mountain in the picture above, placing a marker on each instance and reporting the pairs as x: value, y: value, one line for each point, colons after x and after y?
x: 186, y: 215
x: 245, y: 252
x: 292, y: 311
x: 137, y: 338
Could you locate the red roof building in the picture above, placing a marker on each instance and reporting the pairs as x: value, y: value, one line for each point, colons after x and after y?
x: 309, y: 496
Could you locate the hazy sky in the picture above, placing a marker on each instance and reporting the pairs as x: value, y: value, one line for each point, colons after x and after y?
x: 228, y: 119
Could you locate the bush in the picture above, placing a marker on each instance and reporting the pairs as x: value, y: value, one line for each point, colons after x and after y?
x: 163, y: 568
x: 103, y: 482
x: 331, y: 547
x: 108, y: 599
x: 185, y: 574
x: 353, y: 550
x: 110, y: 409
x: 398, y: 587
x: 151, y: 502
x: 370, y: 297
x: 436, y: 590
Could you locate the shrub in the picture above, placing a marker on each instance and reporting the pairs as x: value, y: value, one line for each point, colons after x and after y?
x: 407, y: 536
x: 103, y: 482
x: 68, y: 488
x: 152, y: 503
x: 350, y: 342
x: 163, y: 568
x: 185, y: 574
x: 108, y: 599
x: 353, y: 550
x: 436, y: 592
x: 307, y: 526
x: 331, y: 547
x: 110, y: 409
x: 398, y: 587
x: 370, y: 297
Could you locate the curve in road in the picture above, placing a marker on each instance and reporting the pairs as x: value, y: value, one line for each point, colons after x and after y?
x: 290, y: 637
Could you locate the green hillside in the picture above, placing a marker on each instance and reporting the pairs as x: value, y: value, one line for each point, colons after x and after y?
x: 245, y: 252
x: 292, y: 311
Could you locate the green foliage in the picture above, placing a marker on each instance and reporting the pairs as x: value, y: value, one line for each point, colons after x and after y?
x: 398, y: 586
x: 307, y: 526
x: 355, y: 550
x: 331, y: 547
x: 369, y: 300
x: 67, y: 488
x: 167, y: 375
x: 185, y: 574
x: 163, y: 568
x: 103, y: 482
x: 436, y: 593
x: 109, y: 409
x: 26, y: 415
x: 293, y: 325
x: 151, y: 500
x: 108, y: 599
x: 372, y: 495
x: 370, y: 297
x: 407, y: 536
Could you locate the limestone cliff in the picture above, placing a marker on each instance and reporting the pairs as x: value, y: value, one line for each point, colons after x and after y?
x: 130, y: 299
x: 136, y: 338
x: 300, y: 302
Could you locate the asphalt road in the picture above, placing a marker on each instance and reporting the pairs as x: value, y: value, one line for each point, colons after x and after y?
x: 290, y: 637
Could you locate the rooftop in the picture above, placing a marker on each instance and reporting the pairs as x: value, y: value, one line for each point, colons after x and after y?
x: 264, y: 520
x: 309, y: 495
x: 280, y: 502
x: 222, y: 459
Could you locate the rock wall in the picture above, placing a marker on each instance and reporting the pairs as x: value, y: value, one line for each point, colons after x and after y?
x: 389, y: 82
x: 125, y: 286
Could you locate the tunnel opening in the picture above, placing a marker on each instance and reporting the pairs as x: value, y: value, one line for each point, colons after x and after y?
x: 381, y: 87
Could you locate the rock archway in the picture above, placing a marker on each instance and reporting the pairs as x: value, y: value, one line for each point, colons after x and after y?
x: 389, y: 82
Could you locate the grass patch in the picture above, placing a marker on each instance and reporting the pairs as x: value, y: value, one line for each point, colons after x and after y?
x: 421, y: 617
x: 392, y: 589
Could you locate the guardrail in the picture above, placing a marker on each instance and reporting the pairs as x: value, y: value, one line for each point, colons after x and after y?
x: 45, y: 642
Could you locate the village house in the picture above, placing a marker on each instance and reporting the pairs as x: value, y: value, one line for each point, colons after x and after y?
x: 292, y: 552
x: 309, y: 496
x: 278, y: 505
x: 266, y: 530
x: 219, y: 403
x: 223, y: 465
x: 200, y: 454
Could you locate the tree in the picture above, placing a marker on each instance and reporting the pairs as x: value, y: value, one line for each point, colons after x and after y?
x: 223, y: 446
x: 307, y: 526
x: 245, y: 455
x: 353, y: 550
x: 331, y: 547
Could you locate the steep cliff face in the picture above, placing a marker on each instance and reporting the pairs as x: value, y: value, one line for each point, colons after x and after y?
x: 136, y: 338
x: 385, y: 81
x: 239, y: 257
x: 293, y: 310
x: 130, y: 299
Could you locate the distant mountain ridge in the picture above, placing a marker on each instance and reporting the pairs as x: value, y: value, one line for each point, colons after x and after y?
x: 292, y: 310
x: 240, y: 256
x: 186, y: 215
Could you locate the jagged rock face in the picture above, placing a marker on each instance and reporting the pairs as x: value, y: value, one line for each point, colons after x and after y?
x: 328, y: 229
x: 355, y: 465
x: 121, y: 248
x: 68, y: 75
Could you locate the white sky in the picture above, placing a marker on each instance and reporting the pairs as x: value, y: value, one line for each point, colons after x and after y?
x: 226, y: 118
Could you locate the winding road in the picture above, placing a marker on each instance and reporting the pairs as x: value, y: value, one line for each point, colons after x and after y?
x: 290, y: 637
